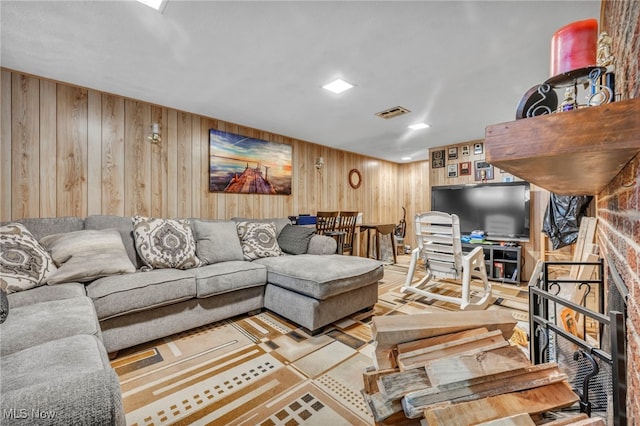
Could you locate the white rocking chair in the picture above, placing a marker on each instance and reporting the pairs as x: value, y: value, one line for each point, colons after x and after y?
x: 438, y: 236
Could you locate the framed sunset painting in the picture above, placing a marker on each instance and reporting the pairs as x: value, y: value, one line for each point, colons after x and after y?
x: 243, y: 165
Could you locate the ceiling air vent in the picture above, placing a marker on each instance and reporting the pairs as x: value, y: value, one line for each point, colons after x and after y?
x: 392, y: 112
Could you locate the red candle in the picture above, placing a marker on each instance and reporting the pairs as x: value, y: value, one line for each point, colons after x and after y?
x: 574, y: 46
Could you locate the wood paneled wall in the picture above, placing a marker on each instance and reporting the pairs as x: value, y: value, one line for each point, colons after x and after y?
x: 72, y: 151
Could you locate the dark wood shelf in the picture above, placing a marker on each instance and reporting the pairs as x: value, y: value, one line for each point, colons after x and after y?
x: 569, y: 153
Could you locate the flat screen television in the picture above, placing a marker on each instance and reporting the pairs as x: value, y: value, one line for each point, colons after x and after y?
x: 501, y: 209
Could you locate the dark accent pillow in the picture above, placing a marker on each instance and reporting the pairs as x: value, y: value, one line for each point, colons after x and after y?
x: 295, y: 239
x: 4, y: 305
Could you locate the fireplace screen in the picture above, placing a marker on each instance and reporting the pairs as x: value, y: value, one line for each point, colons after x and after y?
x: 573, y: 325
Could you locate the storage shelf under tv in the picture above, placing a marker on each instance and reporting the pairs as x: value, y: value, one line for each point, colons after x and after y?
x: 503, y: 262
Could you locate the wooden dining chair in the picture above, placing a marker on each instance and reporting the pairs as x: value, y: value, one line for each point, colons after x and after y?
x: 326, y: 222
x: 347, y: 224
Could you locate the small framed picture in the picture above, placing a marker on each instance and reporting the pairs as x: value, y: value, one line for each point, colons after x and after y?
x: 465, y: 168
x: 452, y: 170
x: 465, y: 150
x: 483, y: 171
x: 437, y: 159
x: 452, y: 153
x: 477, y: 148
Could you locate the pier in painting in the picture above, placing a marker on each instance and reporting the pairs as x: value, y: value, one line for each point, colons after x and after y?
x: 251, y: 181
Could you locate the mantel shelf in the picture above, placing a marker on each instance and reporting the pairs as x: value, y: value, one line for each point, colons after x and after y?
x: 568, y: 153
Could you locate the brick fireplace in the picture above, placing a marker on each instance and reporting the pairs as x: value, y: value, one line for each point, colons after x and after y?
x: 618, y: 205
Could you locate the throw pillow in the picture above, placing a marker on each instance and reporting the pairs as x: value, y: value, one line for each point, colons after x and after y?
x: 279, y: 222
x: 165, y: 243
x: 4, y: 305
x: 85, y: 255
x: 258, y: 240
x: 295, y: 239
x: 24, y: 263
x: 217, y: 241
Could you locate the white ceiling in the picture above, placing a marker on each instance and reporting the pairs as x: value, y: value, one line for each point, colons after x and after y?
x: 457, y: 65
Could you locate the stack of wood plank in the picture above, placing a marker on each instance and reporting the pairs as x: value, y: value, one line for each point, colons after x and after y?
x: 458, y: 368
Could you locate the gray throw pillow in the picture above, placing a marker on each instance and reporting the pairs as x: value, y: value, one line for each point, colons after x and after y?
x: 216, y: 241
x: 85, y: 255
x: 295, y: 239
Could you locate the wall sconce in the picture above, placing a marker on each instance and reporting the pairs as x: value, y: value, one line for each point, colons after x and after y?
x: 154, y: 137
x: 319, y: 163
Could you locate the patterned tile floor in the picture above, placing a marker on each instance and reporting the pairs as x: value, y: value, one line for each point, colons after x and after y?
x: 264, y: 370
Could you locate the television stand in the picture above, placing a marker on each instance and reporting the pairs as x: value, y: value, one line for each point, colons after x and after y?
x: 503, y: 263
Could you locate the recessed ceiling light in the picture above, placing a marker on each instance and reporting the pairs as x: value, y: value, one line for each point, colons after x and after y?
x: 337, y: 86
x: 158, y: 5
x: 406, y: 158
x: 419, y: 126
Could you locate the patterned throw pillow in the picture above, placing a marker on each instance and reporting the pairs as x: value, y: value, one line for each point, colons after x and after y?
x: 24, y: 263
x: 165, y: 243
x: 258, y: 240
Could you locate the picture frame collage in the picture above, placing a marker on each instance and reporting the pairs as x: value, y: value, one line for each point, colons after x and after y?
x: 448, y: 158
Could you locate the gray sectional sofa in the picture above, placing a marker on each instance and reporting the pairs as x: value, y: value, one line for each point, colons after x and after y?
x: 81, y: 322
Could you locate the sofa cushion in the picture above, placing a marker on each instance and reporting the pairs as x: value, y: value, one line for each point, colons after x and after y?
x: 217, y: 241
x: 165, y: 243
x: 228, y: 276
x: 124, y: 225
x: 118, y: 295
x: 52, y: 361
x: 31, y: 325
x: 88, y: 399
x: 46, y: 293
x: 24, y: 263
x: 322, y: 277
x: 86, y: 255
x: 258, y: 240
x: 295, y: 239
